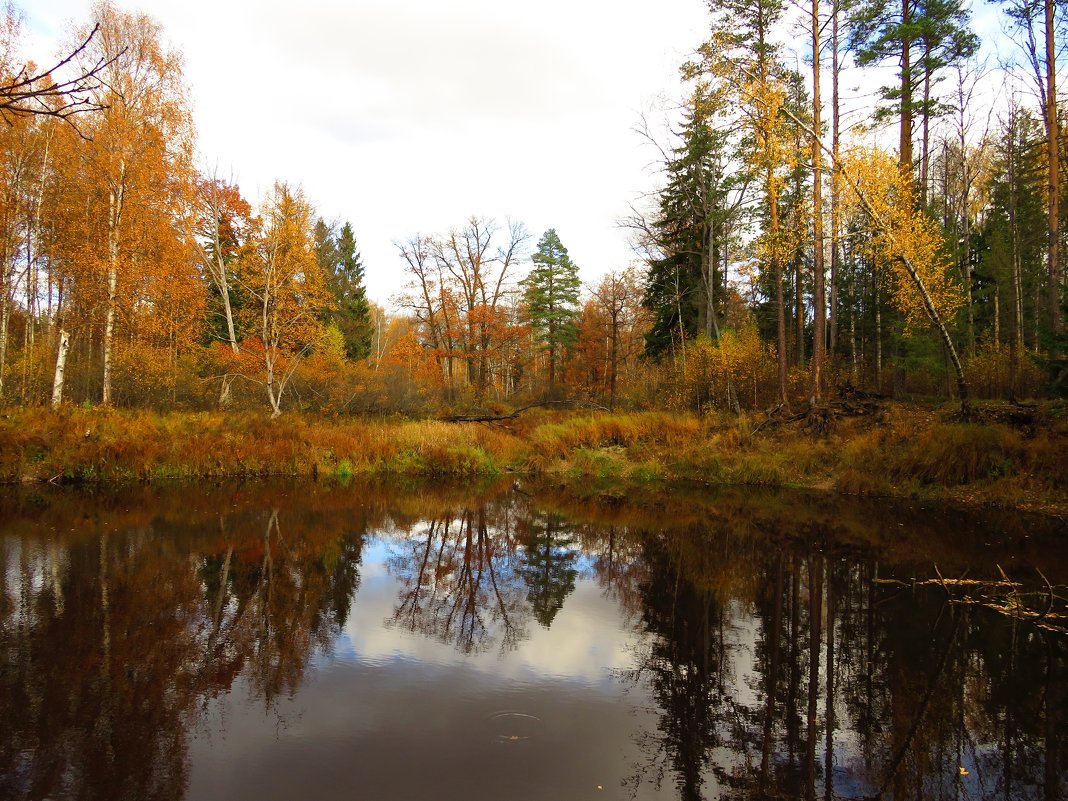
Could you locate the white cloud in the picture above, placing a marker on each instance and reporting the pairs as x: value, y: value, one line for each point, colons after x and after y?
x: 410, y: 116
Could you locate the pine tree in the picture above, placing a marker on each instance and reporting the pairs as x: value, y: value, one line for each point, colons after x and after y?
x: 551, y: 292
x: 922, y: 36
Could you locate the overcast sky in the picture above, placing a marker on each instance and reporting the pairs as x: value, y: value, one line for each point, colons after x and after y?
x: 409, y: 116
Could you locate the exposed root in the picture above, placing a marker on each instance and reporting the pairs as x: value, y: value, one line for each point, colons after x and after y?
x: 819, y: 418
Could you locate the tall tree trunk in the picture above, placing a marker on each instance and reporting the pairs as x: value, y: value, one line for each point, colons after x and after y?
x: 1053, y: 193
x: 835, y: 181
x: 819, y: 304
x: 115, y: 203
x: 925, y: 133
x: 1016, y: 343
x: 799, y: 313
x: 6, y: 290
x: 109, y: 329
x: 966, y: 236
x: 878, y: 325
x: 997, y: 316
x: 613, y: 366
x: 780, y: 305
x: 853, y: 343
x: 61, y: 366
x: 905, y: 133
x: 552, y: 370
x: 772, y: 195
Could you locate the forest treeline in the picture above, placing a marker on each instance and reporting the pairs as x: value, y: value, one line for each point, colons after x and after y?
x: 787, y: 251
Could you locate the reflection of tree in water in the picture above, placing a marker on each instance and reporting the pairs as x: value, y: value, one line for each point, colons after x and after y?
x: 616, y: 562
x: 781, y: 673
x: 110, y: 644
x: 276, y: 601
x: 550, y: 570
x: 684, y: 667
x: 114, y: 664
x: 461, y: 583
x: 780, y: 669
x: 465, y: 579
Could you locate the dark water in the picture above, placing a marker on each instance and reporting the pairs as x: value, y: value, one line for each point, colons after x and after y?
x: 303, y: 641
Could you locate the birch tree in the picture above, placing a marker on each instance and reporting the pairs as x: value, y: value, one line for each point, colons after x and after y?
x: 137, y: 165
x: 282, y: 275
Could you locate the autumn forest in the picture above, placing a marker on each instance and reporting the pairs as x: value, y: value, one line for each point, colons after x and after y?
x: 795, y: 244
x: 772, y: 507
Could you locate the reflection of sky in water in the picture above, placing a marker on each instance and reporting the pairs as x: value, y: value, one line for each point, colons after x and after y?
x: 551, y: 707
x: 392, y: 714
x: 584, y: 644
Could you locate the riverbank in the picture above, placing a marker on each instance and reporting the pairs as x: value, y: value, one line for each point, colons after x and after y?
x: 899, y: 450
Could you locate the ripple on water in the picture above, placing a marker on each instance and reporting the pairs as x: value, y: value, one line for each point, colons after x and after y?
x: 510, y: 726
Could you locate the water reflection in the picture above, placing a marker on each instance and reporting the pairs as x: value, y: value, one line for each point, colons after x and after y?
x: 750, y: 647
x: 112, y: 639
x: 794, y: 674
x: 460, y: 581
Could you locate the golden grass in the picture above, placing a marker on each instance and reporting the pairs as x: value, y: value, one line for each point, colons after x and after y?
x: 911, y: 451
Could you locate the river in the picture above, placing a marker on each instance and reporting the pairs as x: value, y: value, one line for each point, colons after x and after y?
x: 316, y: 640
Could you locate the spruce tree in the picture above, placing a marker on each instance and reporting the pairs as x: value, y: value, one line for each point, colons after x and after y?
x: 337, y: 255
x: 698, y: 206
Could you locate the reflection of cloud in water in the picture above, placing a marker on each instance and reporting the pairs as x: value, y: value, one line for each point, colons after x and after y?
x: 585, y: 642
x: 384, y: 697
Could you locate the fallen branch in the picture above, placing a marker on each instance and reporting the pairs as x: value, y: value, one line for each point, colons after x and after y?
x: 1044, y: 607
x: 944, y: 582
x: 494, y: 418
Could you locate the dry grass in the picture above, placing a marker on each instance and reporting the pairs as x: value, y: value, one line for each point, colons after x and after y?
x: 912, y: 450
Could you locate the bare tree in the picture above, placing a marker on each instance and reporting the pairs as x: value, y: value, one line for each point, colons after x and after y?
x: 479, y: 264
x: 618, y: 295
x: 429, y: 300
x: 33, y: 92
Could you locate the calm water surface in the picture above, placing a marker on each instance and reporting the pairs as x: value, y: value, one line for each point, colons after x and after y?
x: 301, y: 641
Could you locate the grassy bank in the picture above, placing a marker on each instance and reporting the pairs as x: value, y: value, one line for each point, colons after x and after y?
x: 905, y: 451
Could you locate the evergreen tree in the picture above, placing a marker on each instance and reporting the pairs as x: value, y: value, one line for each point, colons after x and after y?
x: 698, y: 210
x: 1011, y: 239
x: 743, y: 44
x: 549, y: 571
x: 923, y: 36
x: 337, y: 255
x: 551, y: 292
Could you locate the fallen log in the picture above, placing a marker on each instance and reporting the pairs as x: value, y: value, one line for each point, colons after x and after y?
x: 496, y: 418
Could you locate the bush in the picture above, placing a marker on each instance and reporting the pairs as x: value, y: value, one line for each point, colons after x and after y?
x: 739, y: 371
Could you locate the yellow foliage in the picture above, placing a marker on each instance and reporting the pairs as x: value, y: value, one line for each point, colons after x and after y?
x: 331, y: 345
x: 988, y: 373
x: 739, y: 370
x: 879, y: 194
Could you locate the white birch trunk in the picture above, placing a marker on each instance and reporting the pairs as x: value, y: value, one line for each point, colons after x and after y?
x: 61, y: 366
x: 114, y: 219
x: 5, y: 318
